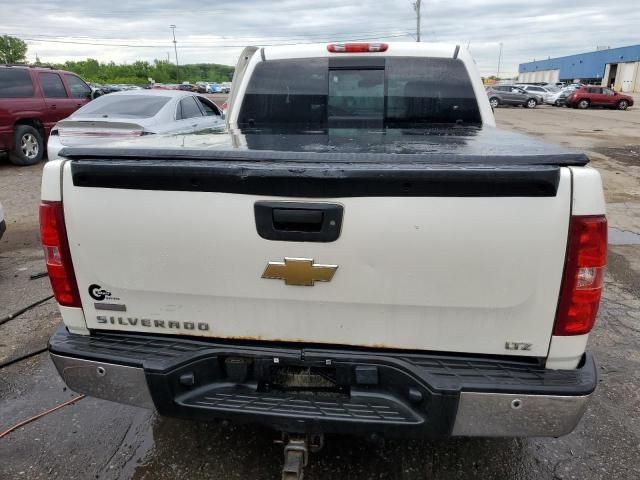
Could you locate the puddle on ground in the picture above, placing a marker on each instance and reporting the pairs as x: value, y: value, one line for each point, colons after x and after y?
x: 623, y: 237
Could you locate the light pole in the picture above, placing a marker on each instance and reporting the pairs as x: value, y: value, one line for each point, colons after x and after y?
x: 416, y: 7
x: 499, y: 62
x: 175, y: 48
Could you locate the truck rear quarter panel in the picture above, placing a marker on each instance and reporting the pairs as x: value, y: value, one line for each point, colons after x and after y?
x: 565, y: 352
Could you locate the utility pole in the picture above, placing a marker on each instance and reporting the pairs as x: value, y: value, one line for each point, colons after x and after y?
x: 416, y: 7
x: 175, y: 47
x: 499, y: 62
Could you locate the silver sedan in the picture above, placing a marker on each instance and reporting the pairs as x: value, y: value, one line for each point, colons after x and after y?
x: 134, y: 113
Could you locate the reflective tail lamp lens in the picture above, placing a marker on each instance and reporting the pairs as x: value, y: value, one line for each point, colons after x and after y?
x: 57, y: 256
x: 357, y: 47
x: 583, y: 275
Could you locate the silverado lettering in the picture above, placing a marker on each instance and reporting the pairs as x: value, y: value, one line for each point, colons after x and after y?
x: 145, y: 322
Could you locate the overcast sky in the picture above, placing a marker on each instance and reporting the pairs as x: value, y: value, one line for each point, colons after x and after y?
x: 215, y: 31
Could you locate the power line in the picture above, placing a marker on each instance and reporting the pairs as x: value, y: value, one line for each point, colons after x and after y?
x: 325, y: 40
x: 41, y: 40
x: 223, y: 38
x: 378, y: 27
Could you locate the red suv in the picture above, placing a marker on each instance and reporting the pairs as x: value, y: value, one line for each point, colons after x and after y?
x: 32, y: 100
x: 589, y: 96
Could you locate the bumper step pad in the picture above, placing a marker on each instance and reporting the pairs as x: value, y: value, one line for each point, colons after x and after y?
x: 370, y: 408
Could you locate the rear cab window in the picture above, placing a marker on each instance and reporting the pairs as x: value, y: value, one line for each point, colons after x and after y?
x: 15, y: 83
x: 287, y: 92
x: 353, y: 93
x: 356, y: 96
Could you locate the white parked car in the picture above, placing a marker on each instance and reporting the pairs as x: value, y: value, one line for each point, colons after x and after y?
x: 547, y: 92
x: 134, y: 113
x: 558, y: 98
x: 3, y: 224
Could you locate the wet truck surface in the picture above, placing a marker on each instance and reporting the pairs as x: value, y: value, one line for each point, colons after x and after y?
x: 363, y: 252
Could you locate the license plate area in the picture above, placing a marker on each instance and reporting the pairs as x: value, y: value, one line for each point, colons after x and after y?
x: 305, y: 379
x: 288, y: 376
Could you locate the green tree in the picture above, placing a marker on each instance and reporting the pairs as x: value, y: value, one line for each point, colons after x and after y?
x: 138, y: 72
x: 12, y: 50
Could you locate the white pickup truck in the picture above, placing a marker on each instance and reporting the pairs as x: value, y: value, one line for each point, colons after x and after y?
x: 362, y: 251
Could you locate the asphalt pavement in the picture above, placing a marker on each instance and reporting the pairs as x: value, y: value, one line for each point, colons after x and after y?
x: 95, y: 439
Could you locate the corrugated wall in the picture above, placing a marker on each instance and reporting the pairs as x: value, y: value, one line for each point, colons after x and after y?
x: 627, y: 78
x: 549, y: 76
x: 589, y: 65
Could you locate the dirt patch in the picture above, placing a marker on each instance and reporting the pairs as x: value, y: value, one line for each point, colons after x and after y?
x: 628, y: 155
x: 621, y: 266
x: 620, y: 176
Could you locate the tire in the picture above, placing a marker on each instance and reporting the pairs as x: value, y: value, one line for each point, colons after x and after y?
x: 29, y: 146
x: 531, y: 103
x: 623, y: 105
x: 494, y: 102
x: 583, y: 104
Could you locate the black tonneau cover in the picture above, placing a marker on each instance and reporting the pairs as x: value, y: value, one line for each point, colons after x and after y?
x: 447, y: 145
x: 448, y: 161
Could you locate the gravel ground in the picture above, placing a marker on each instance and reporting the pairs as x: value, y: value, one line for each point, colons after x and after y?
x: 95, y: 439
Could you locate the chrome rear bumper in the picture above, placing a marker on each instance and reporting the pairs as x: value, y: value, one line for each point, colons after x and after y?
x: 108, y: 381
x: 511, y: 415
x: 477, y: 414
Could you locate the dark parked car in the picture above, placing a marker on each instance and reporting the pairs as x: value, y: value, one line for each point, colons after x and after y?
x: 511, y: 95
x: 110, y: 88
x: 32, y: 100
x: 590, y: 96
x: 187, y: 87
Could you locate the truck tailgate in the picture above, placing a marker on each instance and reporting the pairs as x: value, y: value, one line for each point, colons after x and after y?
x: 458, y: 264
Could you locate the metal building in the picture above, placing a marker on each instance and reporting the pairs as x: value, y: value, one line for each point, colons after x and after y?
x: 619, y: 67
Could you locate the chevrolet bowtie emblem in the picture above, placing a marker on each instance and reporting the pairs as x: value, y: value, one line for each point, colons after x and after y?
x: 299, y: 271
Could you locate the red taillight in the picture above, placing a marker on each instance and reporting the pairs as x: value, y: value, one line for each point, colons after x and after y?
x: 357, y: 47
x: 583, y: 275
x: 56, y: 254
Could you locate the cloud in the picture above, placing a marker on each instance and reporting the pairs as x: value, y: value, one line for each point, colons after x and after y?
x: 216, y: 32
